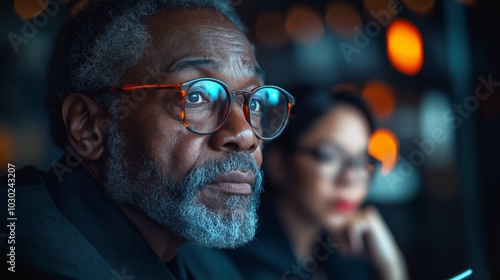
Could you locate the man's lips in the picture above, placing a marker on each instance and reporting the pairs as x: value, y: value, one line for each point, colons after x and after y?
x: 235, y: 182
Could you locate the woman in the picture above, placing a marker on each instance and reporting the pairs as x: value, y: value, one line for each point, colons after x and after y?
x: 312, y: 222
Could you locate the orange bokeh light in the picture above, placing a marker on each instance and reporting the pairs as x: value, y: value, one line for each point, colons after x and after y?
x: 384, y: 146
x: 405, y: 47
x: 343, y: 18
x: 304, y: 24
x: 421, y: 6
x: 381, y: 98
x: 78, y: 6
x: 270, y: 29
x: 29, y: 8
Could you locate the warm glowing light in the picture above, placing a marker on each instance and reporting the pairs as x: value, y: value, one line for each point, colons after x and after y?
x: 380, y: 96
x: 343, y: 18
x: 78, y: 6
x: 421, y: 6
x: 29, y: 8
x: 405, y: 47
x: 304, y: 24
x: 270, y: 29
x: 6, y: 145
x: 384, y: 146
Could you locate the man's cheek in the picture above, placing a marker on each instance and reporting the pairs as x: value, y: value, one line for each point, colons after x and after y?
x: 257, y: 155
x: 184, y: 155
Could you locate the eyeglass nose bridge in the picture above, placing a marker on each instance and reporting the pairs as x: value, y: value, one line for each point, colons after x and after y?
x: 348, y: 165
x: 244, y: 105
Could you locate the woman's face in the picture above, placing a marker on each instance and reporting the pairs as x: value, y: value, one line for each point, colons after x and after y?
x: 328, y: 176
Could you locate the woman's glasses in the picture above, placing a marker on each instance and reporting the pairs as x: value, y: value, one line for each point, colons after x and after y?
x: 334, y: 162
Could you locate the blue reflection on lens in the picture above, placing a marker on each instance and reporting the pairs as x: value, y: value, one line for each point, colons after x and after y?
x: 272, y: 95
x: 212, y: 89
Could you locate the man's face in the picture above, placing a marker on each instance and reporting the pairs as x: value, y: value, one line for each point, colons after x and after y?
x: 203, y: 187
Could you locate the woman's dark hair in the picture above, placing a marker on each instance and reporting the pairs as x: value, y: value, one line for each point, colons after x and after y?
x: 311, y: 104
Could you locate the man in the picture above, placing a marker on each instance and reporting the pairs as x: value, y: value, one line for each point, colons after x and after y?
x: 161, y: 109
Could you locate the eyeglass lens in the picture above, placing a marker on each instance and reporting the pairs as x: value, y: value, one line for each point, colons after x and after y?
x: 334, y: 162
x: 207, y: 105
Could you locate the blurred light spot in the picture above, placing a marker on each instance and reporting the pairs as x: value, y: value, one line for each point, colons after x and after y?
x: 380, y: 96
x: 437, y: 139
x: 397, y: 186
x: 316, y: 63
x: 77, y: 7
x: 6, y: 146
x: 344, y: 87
x: 405, y: 47
x: 384, y: 146
x: 420, y: 6
x: 304, y: 24
x: 270, y: 29
x: 29, y: 8
x: 405, y: 121
x: 343, y: 18
x: 467, y: 2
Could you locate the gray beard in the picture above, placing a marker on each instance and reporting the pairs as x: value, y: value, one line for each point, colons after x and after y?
x: 176, y: 205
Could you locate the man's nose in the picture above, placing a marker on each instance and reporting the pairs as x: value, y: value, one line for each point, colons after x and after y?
x: 236, y: 135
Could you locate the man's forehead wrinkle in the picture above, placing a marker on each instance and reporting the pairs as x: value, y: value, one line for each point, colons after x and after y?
x: 211, y: 47
x: 194, y: 62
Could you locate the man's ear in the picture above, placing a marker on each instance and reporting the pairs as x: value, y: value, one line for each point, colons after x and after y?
x: 82, y: 118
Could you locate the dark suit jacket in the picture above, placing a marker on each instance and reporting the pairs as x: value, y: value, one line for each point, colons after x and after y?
x: 270, y: 256
x: 69, y: 229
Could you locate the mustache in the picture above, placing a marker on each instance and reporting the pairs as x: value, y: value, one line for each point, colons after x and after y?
x: 205, y: 173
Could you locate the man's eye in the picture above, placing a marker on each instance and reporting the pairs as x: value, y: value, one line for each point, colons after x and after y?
x: 194, y: 97
x: 255, y: 106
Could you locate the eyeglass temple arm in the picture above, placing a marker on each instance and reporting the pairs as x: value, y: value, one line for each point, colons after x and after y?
x: 132, y: 87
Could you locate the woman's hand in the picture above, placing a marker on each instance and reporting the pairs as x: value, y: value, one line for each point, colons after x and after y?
x: 366, y: 234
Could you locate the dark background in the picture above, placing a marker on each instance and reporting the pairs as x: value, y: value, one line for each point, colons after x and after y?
x: 445, y: 215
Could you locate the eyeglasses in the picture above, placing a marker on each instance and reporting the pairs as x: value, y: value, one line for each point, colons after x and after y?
x: 206, y: 104
x: 334, y: 162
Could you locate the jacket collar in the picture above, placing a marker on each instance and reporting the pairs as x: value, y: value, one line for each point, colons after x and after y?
x: 82, y: 201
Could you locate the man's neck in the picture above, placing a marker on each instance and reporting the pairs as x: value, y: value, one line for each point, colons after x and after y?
x: 163, y: 241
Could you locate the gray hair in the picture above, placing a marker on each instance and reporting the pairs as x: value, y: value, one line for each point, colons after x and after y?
x: 97, y: 46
